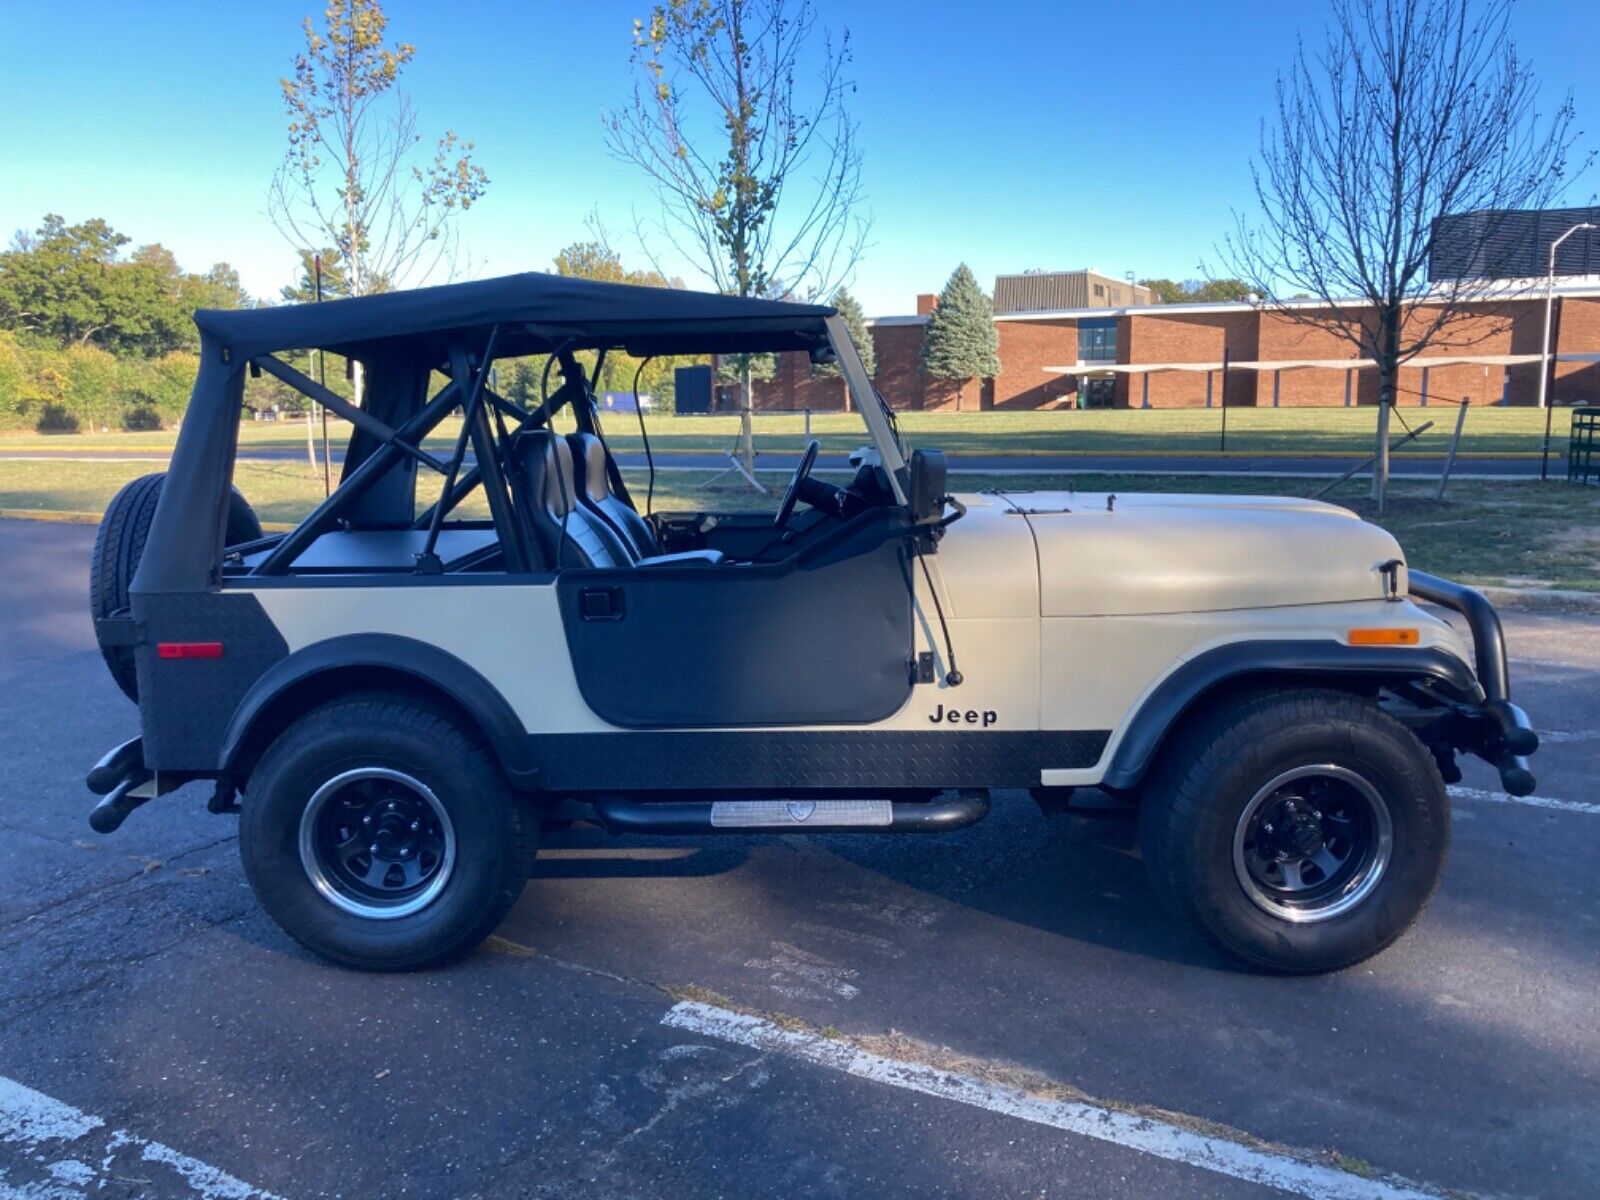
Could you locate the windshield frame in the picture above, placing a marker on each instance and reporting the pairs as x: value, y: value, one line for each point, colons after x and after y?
x: 873, y: 408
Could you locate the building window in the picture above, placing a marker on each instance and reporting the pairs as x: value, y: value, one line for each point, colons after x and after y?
x: 1099, y: 290
x: 1097, y: 341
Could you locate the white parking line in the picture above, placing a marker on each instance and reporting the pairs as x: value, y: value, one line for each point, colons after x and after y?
x: 1573, y: 806
x: 70, y: 1154
x: 1139, y: 1133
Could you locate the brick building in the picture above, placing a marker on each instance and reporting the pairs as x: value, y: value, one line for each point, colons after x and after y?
x: 1170, y: 356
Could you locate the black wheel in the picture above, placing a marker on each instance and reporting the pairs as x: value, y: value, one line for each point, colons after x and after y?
x: 1302, y: 830
x: 118, y: 546
x: 380, y: 834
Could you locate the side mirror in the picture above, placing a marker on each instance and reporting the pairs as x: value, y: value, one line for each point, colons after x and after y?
x: 927, y: 491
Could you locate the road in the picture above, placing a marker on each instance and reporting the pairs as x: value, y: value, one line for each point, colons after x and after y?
x: 1284, y: 465
x: 162, y: 1038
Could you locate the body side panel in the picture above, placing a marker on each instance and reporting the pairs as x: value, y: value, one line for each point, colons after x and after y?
x: 512, y: 632
x: 1136, y: 657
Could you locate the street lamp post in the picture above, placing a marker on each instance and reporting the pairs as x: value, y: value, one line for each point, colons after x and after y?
x: 1544, y: 354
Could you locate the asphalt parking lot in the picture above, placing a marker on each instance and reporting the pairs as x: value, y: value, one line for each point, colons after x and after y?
x: 995, y: 1012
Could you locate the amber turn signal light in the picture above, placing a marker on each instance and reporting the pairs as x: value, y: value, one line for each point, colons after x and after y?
x: 1383, y: 637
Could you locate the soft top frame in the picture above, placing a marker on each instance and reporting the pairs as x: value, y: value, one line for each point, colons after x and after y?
x: 535, y: 313
x: 401, y: 338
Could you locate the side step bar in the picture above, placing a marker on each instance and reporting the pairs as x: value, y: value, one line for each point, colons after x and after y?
x: 621, y: 814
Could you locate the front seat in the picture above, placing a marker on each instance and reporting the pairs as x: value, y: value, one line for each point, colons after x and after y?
x: 595, y: 494
x: 567, y: 533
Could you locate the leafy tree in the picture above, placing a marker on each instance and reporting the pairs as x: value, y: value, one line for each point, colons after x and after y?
x: 961, y: 342
x: 219, y: 287
x: 520, y: 383
x: 274, y: 393
x: 1414, y: 109
x: 91, y: 390
x: 757, y: 170
x: 351, y: 176
x: 13, y: 378
x: 71, y: 285
x: 1198, y: 291
x: 56, y: 281
x: 596, y: 259
x: 1222, y: 291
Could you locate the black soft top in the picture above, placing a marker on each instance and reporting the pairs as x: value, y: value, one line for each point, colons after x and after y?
x: 535, y: 312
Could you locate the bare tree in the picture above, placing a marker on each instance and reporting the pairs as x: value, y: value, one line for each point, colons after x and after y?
x: 739, y: 119
x: 1413, y: 109
x: 352, y: 177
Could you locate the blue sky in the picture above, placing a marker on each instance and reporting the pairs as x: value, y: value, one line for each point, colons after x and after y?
x: 1010, y: 135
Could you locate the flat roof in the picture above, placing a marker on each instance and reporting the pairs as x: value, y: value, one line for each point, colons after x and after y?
x: 1582, y: 287
x: 1320, y: 364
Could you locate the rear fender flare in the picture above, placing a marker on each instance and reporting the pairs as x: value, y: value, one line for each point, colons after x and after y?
x: 1274, y: 663
x: 371, y: 659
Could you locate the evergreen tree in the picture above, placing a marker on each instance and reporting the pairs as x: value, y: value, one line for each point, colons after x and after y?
x: 855, y: 320
x: 335, y: 279
x: 961, y: 341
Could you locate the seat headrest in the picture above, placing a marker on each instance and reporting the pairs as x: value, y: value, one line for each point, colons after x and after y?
x: 591, y: 455
x: 547, y: 470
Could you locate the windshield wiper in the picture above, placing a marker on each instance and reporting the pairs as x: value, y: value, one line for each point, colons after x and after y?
x: 894, y: 424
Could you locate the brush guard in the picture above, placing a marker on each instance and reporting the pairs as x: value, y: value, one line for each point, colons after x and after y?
x: 1492, y: 727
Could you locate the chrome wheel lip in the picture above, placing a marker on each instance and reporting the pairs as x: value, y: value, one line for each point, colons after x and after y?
x: 328, y: 888
x: 1359, y: 887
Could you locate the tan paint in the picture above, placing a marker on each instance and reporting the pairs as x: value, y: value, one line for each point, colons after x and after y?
x: 1128, y: 595
x: 1159, y: 554
x: 510, y: 634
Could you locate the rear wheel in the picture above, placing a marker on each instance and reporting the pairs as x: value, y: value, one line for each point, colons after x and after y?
x: 380, y: 834
x: 1302, y: 830
x: 118, y: 547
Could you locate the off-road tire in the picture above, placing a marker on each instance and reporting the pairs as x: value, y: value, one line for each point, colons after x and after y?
x: 1208, y: 775
x: 118, y: 547
x: 495, y: 832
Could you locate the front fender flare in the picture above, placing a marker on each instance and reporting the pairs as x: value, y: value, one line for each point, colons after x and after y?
x: 1294, y: 663
x: 430, y: 667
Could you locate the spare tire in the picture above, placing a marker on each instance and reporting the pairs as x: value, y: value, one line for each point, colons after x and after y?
x: 118, y: 546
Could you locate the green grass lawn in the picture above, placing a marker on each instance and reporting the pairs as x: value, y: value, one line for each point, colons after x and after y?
x: 1483, y: 532
x: 1103, y: 431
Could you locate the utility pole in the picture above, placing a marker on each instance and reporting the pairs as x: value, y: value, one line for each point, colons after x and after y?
x: 1549, y: 296
x: 1546, y: 367
x: 322, y: 378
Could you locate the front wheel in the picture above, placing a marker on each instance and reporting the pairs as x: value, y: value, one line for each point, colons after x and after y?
x: 1302, y: 830
x: 378, y: 833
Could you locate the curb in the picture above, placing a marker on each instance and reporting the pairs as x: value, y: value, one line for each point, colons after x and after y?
x: 1543, y: 599
x: 64, y: 516
x: 60, y: 516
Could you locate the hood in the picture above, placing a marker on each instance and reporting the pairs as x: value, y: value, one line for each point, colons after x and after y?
x: 1139, y: 554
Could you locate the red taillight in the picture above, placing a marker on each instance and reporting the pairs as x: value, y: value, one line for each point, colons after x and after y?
x: 188, y: 649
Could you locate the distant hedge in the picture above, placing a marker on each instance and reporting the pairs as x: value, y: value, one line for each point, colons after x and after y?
x: 96, y: 387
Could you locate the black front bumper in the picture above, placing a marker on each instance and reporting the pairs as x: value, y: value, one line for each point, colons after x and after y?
x: 1492, y: 727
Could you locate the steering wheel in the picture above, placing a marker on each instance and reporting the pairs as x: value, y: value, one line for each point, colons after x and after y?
x: 801, y: 474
